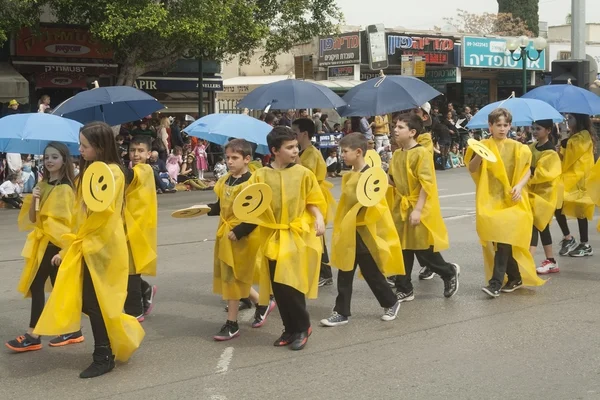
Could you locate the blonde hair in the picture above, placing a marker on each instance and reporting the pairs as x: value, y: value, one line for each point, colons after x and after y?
x: 164, y: 122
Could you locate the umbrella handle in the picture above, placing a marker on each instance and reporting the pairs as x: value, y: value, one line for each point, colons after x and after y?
x: 37, y: 204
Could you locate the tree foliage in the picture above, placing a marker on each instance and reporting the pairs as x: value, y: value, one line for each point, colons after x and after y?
x: 526, y: 10
x: 17, y: 13
x: 500, y: 24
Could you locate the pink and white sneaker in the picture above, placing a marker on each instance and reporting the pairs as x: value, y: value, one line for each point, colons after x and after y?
x: 547, y: 267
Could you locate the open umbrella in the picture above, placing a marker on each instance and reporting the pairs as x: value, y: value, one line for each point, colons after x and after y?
x: 289, y: 94
x: 30, y: 133
x: 111, y: 104
x: 524, y: 112
x: 218, y: 128
x: 386, y: 94
x: 567, y: 99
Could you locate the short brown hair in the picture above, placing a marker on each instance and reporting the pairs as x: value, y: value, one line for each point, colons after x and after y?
x: 499, y: 113
x: 240, y: 146
x: 411, y: 120
x: 354, y: 141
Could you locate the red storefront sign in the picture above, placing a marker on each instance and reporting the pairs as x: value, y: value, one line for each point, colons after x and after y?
x: 60, y: 42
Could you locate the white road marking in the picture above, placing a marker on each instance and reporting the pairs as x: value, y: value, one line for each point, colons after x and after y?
x: 468, y: 215
x: 458, y: 208
x: 456, y: 195
x: 225, y: 360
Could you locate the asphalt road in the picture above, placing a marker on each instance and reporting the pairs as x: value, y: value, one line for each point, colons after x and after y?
x: 533, y: 344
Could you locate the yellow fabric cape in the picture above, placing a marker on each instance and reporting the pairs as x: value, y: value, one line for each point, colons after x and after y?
x: 52, y: 222
x: 234, y: 261
x: 412, y: 170
x: 100, y: 241
x: 577, y: 163
x: 254, y: 165
x: 312, y: 159
x: 542, y: 186
x: 289, y: 236
x: 375, y: 227
x: 141, y: 218
x: 424, y: 139
x: 499, y: 218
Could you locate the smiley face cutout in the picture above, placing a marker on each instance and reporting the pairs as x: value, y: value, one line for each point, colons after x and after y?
x: 252, y: 201
x: 372, y: 159
x: 98, y: 187
x: 372, y: 186
x: 481, y: 150
x: 191, y: 212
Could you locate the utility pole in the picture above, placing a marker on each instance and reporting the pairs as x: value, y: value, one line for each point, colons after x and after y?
x: 578, y: 30
x: 200, y: 88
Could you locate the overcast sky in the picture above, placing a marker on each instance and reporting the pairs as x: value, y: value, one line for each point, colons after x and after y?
x: 426, y: 14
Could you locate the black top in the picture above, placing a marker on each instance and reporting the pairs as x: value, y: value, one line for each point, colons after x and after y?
x: 63, y: 181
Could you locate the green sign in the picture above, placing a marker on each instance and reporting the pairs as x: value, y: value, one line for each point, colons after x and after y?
x: 442, y: 76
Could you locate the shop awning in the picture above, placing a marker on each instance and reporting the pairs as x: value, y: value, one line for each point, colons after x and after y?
x: 339, y: 86
x: 254, y: 80
x: 12, y: 85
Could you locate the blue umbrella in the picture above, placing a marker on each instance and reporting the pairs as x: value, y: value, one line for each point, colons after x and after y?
x: 291, y: 93
x: 379, y: 96
x: 218, y: 128
x: 30, y: 133
x: 567, y: 99
x: 524, y: 112
x: 111, y: 104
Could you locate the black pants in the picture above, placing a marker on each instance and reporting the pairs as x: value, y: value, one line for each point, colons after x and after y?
x: 375, y: 279
x: 38, y: 296
x: 545, y: 235
x: 91, y: 308
x: 335, y: 167
x: 291, y: 304
x: 134, y: 303
x: 325, y: 269
x: 562, y: 222
x: 504, y: 264
x: 16, y: 202
x: 429, y: 258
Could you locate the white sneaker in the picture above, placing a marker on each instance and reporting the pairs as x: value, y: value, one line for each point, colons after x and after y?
x: 547, y: 267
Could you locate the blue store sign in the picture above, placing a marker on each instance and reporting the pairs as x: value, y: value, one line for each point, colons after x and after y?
x: 482, y: 52
x: 171, y: 84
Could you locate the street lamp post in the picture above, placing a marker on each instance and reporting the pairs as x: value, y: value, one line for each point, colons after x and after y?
x: 512, y: 44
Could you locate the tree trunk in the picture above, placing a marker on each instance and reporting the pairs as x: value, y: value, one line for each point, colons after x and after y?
x: 131, y: 68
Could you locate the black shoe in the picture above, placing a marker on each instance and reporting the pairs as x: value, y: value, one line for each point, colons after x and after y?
x: 24, y: 343
x: 300, y: 340
x: 104, y: 362
x: 403, y: 297
x: 511, y: 286
x: 325, y: 282
x: 451, y: 284
x: 69, y: 338
x: 148, y: 299
x: 491, y: 291
x: 228, y: 331
x: 261, y: 314
x: 582, y: 250
x: 426, y: 274
x: 567, y: 246
x: 284, y: 340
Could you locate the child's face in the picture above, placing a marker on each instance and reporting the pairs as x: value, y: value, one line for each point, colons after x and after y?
x: 287, y: 153
x: 138, y: 153
x: 370, y: 145
x: 402, y: 134
x: 333, y: 154
x: 540, y: 133
x: 351, y: 157
x: 500, y: 128
x: 85, y: 148
x: 119, y: 141
x: 53, y: 161
x: 236, y: 163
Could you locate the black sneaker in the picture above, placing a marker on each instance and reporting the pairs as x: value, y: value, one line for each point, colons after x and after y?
x: 426, y: 274
x: 261, y: 314
x: 300, y: 340
x: 512, y: 286
x: 451, y: 284
x: 402, y: 297
x: 104, y: 362
x: 24, y: 343
x: 228, y: 331
x: 491, y: 291
x: 390, y: 314
x: 148, y: 297
x: 582, y: 250
x: 69, y: 338
x: 391, y: 281
x: 325, y: 282
x: 285, y: 339
x: 334, y: 320
x: 566, y: 246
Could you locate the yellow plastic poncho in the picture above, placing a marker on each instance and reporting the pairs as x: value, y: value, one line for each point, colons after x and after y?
x: 141, y: 217
x: 254, y: 165
x: 542, y: 186
x: 52, y: 222
x: 100, y: 241
x: 234, y: 261
x: 289, y: 237
x: 499, y: 218
x: 312, y: 159
x: 577, y: 163
x: 375, y: 227
x: 424, y: 139
x: 412, y: 170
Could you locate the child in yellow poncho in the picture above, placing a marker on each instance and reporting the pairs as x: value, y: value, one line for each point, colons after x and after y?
x: 93, y: 274
x: 504, y: 217
x: 416, y: 211
x: 363, y: 237
x: 577, y: 153
x: 48, y: 225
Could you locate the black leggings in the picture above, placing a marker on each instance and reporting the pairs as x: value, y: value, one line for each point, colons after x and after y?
x: 545, y: 235
x: 91, y: 308
x: 16, y: 202
x: 38, y: 296
x: 582, y: 222
x: 134, y: 303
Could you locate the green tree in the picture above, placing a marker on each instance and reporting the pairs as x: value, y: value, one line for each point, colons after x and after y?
x: 527, y: 10
x: 16, y: 13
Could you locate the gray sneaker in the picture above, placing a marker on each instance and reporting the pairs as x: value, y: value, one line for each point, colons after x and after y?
x: 567, y: 246
x: 390, y: 314
x: 334, y: 320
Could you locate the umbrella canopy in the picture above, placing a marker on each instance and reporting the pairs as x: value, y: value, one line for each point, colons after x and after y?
x: 524, y: 112
x: 30, y: 133
x: 379, y: 96
x: 111, y: 104
x: 291, y: 93
x: 218, y: 128
x: 567, y: 99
